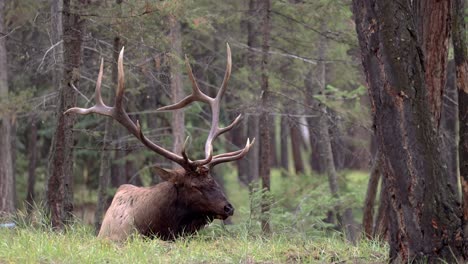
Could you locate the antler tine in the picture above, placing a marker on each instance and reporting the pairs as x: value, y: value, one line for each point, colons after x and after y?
x: 99, y: 107
x: 231, y: 156
x: 215, y: 130
x: 118, y: 113
x: 227, y: 74
x: 197, y: 94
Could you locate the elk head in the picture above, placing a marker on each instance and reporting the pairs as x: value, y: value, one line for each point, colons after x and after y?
x: 198, y: 196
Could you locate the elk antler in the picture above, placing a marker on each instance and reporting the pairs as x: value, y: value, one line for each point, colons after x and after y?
x: 214, y: 103
x: 118, y: 113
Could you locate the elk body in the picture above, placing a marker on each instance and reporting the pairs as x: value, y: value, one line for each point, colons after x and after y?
x: 189, y: 198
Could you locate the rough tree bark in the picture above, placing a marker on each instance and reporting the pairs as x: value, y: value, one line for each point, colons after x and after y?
x: 461, y: 65
x: 177, y: 92
x: 433, y: 28
x: 425, y: 219
x: 7, y: 181
x: 265, y: 118
x: 59, y: 185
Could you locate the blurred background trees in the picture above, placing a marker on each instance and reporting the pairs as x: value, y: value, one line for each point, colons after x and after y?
x: 297, y: 80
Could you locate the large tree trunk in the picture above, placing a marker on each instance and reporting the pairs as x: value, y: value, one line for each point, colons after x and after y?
x: 448, y: 126
x: 461, y: 66
x: 59, y: 186
x: 425, y: 217
x: 7, y: 181
x: 265, y: 118
x: 433, y: 28
x: 177, y: 92
x: 432, y: 25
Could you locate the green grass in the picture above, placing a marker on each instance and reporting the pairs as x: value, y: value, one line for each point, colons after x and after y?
x: 216, y: 244
x: 300, y: 202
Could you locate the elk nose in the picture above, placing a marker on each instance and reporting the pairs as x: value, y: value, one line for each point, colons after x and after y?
x: 228, y: 209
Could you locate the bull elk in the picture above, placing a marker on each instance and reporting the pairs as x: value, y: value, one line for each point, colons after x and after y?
x: 189, y: 197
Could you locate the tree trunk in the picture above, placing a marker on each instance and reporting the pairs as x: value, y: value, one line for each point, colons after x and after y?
x: 433, y: 27
x: 425, y: 216
x: 324, y: 145
x: 252, y: 62
x: 265, y: 118
x: 273, y: 153
x: 461, y: 66
x: 32, y: 158
x: 59, y: 186
x: 177, y: 92
x: 7, y: 181
x: 312, y: 121
x: 448, y: 126
x: 368, y: 214
x: 284, y: 135
x: 296, y: 143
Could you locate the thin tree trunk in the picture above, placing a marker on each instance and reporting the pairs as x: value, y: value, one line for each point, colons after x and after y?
x: 346, y: 221
x: 296, y: 143
x: 59, y: 186
x: 7, y: 181
x: 32, y: 158
x: 252, y: 62
x: 368, y: 214
x: 265, y: 119
x: 425, y: 217
x: 461, y: 65
x: 315, y: 161
x: 273, y: 153
x: 284, y: 135
x: 177, y: 93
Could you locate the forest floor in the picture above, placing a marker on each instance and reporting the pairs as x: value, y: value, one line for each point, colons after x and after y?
x: 299, y: 233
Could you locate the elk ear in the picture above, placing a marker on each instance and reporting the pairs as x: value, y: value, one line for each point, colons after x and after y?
x: 165, y: 174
